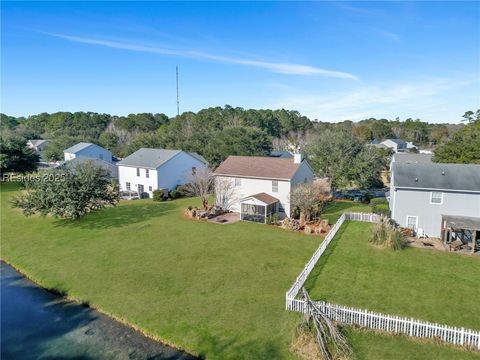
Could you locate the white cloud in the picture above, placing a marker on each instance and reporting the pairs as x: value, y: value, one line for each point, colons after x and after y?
x: 402, y: 99
x: 278, y: 67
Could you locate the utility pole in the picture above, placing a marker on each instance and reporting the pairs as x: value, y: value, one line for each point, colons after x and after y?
x: 178, y: 99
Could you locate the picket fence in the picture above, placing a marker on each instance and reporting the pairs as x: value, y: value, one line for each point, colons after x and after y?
x: 369, y: 319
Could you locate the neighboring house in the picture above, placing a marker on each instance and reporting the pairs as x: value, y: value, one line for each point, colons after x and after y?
x: 262, y: 185
x: 428, y: 196
x: 87, y: 150
x: 37, y: 144
x: 110, y: 167
x: 281, y: 154
x: 147, y: 170
x: 397, y: 145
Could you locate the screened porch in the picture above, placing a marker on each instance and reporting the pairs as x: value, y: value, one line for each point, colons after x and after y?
x: 258, y: 207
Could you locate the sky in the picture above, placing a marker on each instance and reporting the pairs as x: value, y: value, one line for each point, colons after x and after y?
x: 331, y: 61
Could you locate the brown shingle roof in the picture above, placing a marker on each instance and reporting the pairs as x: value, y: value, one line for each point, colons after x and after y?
x: 265, y: 198
x: 258, y: 167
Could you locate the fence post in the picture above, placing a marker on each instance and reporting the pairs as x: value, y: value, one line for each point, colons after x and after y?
x: 462, y: 337
x: 411, y: 327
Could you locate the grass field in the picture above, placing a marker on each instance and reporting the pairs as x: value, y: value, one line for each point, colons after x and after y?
x: 335, y: 209
x: 214, y: 290
x: 425, y: 284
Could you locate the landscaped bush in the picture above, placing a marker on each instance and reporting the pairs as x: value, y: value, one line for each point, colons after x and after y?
x: 386, y: 234
x: 175, y: 194
x: 272, y: 220
x: 159, y: 195
x: 380, y: 206
x: 378, y: 201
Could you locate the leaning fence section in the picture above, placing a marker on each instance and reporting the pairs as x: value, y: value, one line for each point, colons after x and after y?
x: 394, y: 324
x: 372, y: 320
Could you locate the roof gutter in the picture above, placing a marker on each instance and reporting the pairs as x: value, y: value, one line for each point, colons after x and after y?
x: 436, y: 189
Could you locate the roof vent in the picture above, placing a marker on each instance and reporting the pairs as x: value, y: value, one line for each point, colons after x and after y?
x: 443, y: 172
x: 416, y: 179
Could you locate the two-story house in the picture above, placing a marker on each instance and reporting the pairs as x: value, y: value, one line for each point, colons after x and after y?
x: 87, y: 150
x: 433, y: 198
x: 147, y: 170
x: 262, y: 185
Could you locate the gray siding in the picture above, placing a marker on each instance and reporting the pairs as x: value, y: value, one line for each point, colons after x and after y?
x: 405, y: 203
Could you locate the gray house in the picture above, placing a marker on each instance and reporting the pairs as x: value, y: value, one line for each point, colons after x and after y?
x: 439, y: 199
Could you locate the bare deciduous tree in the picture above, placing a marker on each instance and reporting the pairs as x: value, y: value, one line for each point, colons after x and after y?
x: 200, y: 183
x: 224, y: 193
x: 310, y: 198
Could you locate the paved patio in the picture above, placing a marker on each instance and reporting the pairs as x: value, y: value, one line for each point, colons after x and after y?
x: 228, y: 218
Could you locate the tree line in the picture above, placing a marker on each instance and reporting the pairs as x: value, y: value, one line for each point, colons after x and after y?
x: 335, y: 150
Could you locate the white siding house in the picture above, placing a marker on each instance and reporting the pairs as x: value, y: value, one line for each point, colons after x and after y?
x: 262, y: 184
x: 397, y: 145
x: 147, y: 170
x: 87, y: 150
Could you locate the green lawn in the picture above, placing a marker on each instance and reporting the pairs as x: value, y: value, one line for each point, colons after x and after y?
x: 335, y: 209
x: 214, y: 290
x: 425, y: 284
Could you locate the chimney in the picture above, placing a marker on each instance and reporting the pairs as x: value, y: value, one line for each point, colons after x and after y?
x: 297, y: 158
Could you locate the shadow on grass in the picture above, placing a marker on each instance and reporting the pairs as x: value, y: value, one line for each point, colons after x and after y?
x: 119, y: 216
x: 317, y: 270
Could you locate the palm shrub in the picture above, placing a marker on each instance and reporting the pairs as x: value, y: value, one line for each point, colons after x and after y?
x: 386, y: 234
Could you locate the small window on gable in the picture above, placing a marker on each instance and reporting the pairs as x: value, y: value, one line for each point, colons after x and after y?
x: 238, y: 182
x: 101, y: 156
x: 149, y: 188
x: 436, y: 197
x: 274, y: 186
x: 128, y: 186
x: 138, y: 171
x: 147, y: 173
x: 194, y: 170
x: 305, y: 180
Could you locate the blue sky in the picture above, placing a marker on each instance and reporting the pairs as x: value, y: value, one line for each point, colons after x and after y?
x: 329, y: 60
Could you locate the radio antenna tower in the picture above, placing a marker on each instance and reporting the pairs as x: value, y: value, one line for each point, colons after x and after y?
x: 178, y: 99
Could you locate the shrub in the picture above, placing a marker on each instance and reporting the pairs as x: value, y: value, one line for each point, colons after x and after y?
x: 181, y: 190
x: 175, y: 194
x: 386, y: 234
x: 378, y: 201
x: 381, y: 209
x: 272, y: 220
x: 159, y: 195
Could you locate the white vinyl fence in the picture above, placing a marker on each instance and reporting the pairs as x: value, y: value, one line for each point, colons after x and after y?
x: 372, y: 320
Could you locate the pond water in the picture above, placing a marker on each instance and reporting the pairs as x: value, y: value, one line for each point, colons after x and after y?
x: 36, y: 324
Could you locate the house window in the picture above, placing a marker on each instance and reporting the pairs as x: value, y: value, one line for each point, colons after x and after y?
x: 138, y: 171
x: 147, y: 173
x: 436, y: 197
x: 274, y: 186
x: 128, y: 186
x: 149, y: 188
x: 238, y: 182
x: 281, y: 208
x: 194, y: 170
x: 305, y: 180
